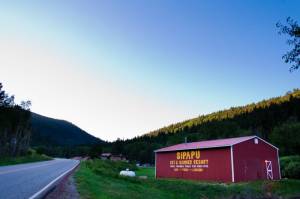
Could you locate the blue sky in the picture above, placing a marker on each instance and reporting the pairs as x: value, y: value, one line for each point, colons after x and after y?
x: 123, y: 68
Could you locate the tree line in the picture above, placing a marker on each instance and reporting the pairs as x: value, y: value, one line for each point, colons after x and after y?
x: 15, y: 128
x: 276, y: 120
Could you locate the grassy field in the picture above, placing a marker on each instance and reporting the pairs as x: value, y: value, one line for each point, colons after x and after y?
x: 100, y: 179
x: 146, y: 171
x: 33, y: 157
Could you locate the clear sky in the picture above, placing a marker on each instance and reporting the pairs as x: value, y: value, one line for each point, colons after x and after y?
x: 119, y: 69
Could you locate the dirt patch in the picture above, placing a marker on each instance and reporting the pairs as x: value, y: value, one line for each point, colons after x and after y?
x: 65, y: 190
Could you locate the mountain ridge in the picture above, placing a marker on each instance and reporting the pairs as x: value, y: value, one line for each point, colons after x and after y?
x: 228, y: 113
x: 48, y: 131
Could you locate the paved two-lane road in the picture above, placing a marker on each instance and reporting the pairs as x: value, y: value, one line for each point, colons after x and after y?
x: 24, y: 180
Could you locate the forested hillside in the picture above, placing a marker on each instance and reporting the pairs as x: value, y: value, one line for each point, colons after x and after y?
x: 21, y: 129
x: 60, y: 138
x: 53, y: 132
x: 277, y: 120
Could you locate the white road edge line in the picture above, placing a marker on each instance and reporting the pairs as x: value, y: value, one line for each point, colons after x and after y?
x: 37, y: 194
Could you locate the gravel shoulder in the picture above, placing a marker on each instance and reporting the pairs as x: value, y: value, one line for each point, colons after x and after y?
x: 65, y: 190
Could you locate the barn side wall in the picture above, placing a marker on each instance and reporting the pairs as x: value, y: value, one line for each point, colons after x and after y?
x: 249, y: 160
x: 218, y: 166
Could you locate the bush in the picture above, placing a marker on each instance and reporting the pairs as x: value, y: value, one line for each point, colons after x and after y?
x: 290, y: 167
x: 31, y: 152
x: 32, y: 157
x: 293, y: 170
x: 107, y: 167
x: 286, y: 137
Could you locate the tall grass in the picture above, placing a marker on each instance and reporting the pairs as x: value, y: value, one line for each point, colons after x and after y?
x: 100, y: 179
x: 32, y: 156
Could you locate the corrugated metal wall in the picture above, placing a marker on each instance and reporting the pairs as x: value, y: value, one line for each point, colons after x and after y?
x: 217, y: 167
x: 249, y: 160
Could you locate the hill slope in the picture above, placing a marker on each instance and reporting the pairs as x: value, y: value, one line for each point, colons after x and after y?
x: 277, y: 120
x: 258, y: 117
x: 53, y: 132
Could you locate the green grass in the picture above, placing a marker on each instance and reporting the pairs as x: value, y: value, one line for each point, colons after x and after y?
x: 100, y: 179
x: 92, y: 185
x: 146, y: 171
x: 33, y: 157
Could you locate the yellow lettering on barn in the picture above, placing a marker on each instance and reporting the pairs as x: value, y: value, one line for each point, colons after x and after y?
x: 192, y: 154
x: 197, y: 154
x: 189, y: 161
x: 188, y: 155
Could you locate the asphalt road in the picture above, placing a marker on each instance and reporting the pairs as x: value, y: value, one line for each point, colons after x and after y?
x: 24, y: 180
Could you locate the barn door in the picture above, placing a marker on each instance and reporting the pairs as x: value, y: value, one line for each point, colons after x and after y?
x: 269, y: 170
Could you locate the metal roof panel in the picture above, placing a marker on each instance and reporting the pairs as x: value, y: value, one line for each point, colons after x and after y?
x: 206, y: 144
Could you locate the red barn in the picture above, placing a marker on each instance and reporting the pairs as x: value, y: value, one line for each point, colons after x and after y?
x: 225, y: 160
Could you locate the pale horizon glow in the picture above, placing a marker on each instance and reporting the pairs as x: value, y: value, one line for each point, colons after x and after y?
x: 86, y: 99
x: 121, y: 70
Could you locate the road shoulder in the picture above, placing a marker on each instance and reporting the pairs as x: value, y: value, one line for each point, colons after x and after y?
x: 65, y: 190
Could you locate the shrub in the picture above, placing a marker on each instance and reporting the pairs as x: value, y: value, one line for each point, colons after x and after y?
x: 107, y: 167
x: 290, y: 167
x: 293, y: 170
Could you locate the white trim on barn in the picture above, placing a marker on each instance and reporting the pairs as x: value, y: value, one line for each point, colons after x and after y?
x: 155, y: 164
x: 218, y: 146
x: 250, y: 138
x: 232, y: 166
x: 253, y: 138
x: 269, y: 170
x: 267, y: 142
x: 278, y: 164
x: 221, y: 146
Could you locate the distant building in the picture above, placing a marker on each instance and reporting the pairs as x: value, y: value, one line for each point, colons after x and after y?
x: 119, y: 157
x: 225, y: 160
x: 105, y: 156
x: 109, y: 156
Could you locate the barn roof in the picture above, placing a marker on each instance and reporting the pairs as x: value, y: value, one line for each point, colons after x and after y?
x: 209, y: 144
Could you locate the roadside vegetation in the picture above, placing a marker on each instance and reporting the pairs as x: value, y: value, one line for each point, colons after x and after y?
x: 100, y: 179
x: 15, y: 131
x: 31, y: 156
